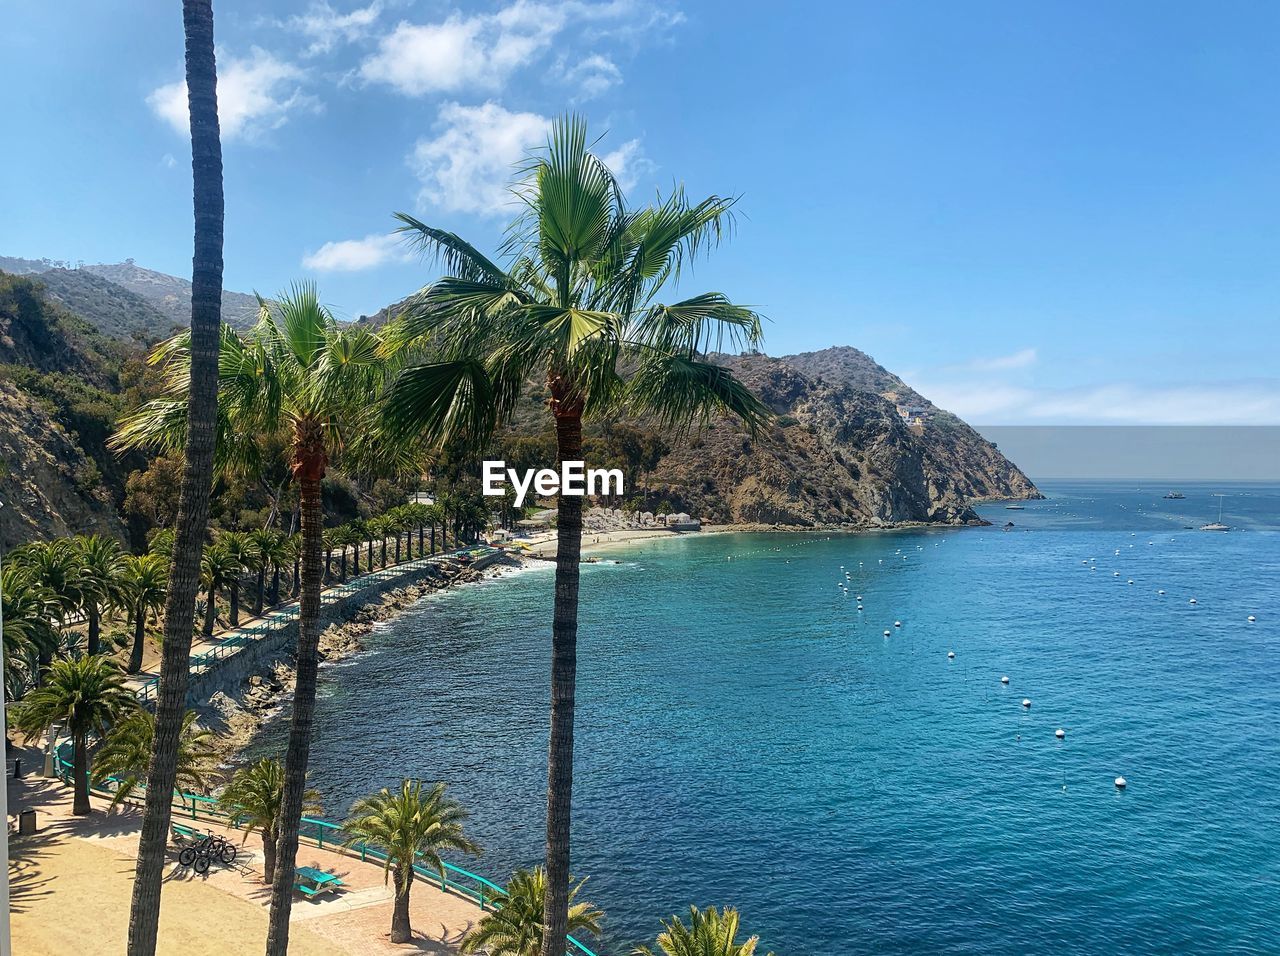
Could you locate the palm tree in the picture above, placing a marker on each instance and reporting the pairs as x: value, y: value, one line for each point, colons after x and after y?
x: 143, y: 582
x: 98, y: 564
x: 299, y: 376
x: 381, y: 527
x: 219, y: 571
x: 85, y: 695
x: 262, y: 546
x: 516, y: 928
x: 201, y: 392
x: 244, y: 551
x: 576, y: 307
x: 253, y: 797
x: 54, y: 567
x: 709, y: 933
x: 125, y: 753
x: 430, y: 515
x: 413, y: 824
x: 29, y: 631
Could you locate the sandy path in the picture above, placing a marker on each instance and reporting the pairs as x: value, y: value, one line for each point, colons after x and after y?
x: 72, y: 896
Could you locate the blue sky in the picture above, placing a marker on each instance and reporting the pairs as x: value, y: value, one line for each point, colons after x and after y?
x: 1036, y: 213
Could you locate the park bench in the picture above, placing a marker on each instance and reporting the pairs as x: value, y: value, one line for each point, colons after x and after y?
x: 311, y: 882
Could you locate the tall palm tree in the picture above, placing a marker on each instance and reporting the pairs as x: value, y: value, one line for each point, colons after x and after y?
x: 576, y: 307
x: 381, y: 527
x: 299, y: 376
x: 253, y: 796
x: 414, y: 824
x: 125, y: 754
x: 144, y: 579
x: 515, y: 929
x: 54, y: 566
x: 242, y: 549
x: 85, y: 695
x: 430, y: 516
x: 197, y: 477
x: 220, y: 570
x: 98, y: 565
x: 275, y: 551
x: 709, y: 933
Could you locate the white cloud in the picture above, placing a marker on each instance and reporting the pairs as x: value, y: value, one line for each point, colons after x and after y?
x: 355, y: 255
x: 255, y: 94
x: 482, y: 51
x: 468, y: 165
x: 1023, y: 358
x: 592, y: 76
x: 325, y: 27
x: 168, y: 161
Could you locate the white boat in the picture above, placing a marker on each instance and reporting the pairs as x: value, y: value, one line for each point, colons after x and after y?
x: 1216, y: 525
x: 1015, y: 507
x: 1175, y: 496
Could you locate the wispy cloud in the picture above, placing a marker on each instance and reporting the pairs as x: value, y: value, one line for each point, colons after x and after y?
x: 1253, y: 402
x: 325, y: 28
x: 1024, y: 358
x: 482, y: 51
x: 256, y: 94
x: 356, y: 255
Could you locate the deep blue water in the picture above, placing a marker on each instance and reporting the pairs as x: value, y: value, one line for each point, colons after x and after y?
x: 745, y: 736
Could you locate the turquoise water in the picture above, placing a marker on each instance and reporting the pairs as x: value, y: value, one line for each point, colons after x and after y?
x: 747, y: 737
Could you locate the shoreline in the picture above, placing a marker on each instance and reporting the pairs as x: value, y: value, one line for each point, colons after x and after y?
x: 237, y: 719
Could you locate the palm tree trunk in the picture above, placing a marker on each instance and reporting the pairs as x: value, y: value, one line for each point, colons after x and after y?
x: 304, y: 699
x: 210, y: 613
x: 95, y: 629
x: 342, y: 566
x: 433, y: 538
x: 262, y: 592
x: 401, y: 931
x: 384, y: 552
x: 275, y: 586
x: 139, y: 637
x: 80, y: 769
x: 564, y: 666
x: 235, y: 604
x: 193, y: 498
x: 268, y: 855
x: 370, y: 554
x: 397, y: 547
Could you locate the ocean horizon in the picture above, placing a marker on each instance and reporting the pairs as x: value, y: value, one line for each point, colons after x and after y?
x: 746, y: 736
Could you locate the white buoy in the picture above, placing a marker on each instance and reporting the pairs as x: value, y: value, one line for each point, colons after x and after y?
x: 1004, y: 680
x: 1121, y: 783
x: 1252, y: 618
x: 859, y: 597
x: 897, y: 624
x: 1161, y: 591
x: 1115, y: 574
x: 1131, y: 580
x: 1192, y: 601
x: 951, y: 655
x: 1059, y: 733
x: 886, y: 633
x: 1026, y: 702
x: 859, y: 607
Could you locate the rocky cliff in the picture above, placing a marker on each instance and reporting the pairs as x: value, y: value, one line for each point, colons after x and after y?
x: 837, y: 452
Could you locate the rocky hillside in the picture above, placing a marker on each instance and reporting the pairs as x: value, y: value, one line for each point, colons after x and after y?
x: 59, y: 393
x: 836, y: 453
x: 166, y: 298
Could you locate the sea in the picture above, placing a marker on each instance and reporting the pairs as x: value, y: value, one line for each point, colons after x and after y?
x: 814, y: 728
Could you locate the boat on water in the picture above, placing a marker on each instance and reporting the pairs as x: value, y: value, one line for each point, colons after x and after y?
x: 1216, y: 525
x: 1015, y: 507
x: 1175, y: 496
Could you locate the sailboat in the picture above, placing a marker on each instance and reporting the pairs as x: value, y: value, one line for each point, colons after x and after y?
x: 1216, y: 525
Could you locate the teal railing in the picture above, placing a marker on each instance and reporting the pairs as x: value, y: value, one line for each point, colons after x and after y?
x: 452, y: 879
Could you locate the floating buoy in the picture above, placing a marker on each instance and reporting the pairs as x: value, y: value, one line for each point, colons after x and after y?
x: 1004, y: 680
x: 1059, y: 733
x: 886, y: 633
x: 1115, y: 574
x: 859, y: 597
x: 897, y: 624
x: 1252, y: 618
x: 1131, y: 580
x: 1121, y: 783
x: 1026, y: 702
x: 859, y: 607
x: 950, y: 655
x: 1192, y: 601
x: 1161, y: 591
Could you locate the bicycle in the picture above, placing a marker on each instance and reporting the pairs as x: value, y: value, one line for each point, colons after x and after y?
x: 199, y: 855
